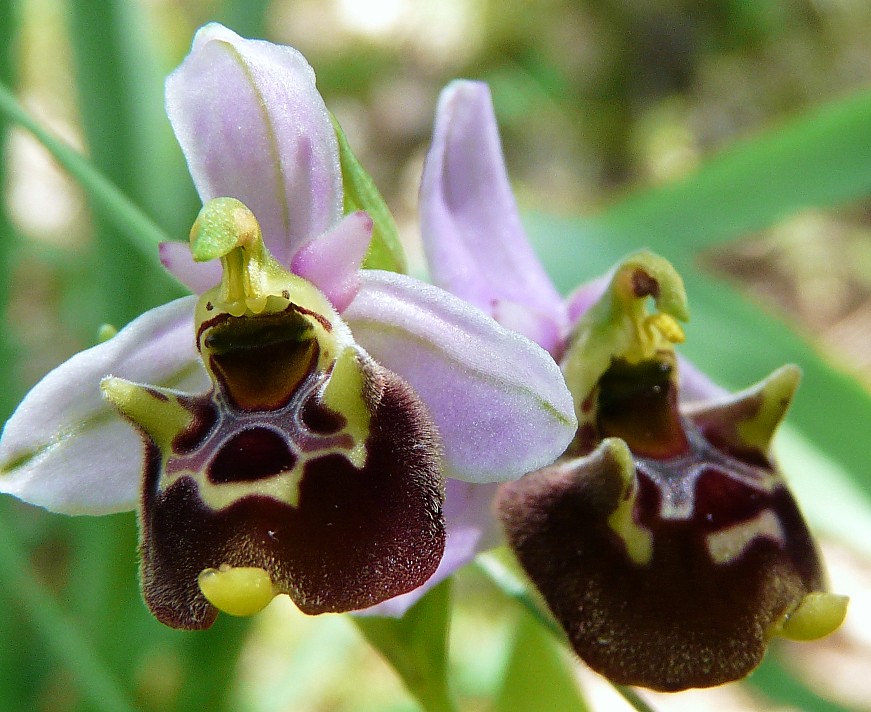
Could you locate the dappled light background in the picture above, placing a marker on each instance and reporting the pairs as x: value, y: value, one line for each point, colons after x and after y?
x: 596, y: 99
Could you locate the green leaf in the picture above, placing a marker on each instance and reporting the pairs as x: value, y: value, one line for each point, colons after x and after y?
x: 416, y: 645
x: 537, y: 676
x: 385, y: 250
x: 820, y: 159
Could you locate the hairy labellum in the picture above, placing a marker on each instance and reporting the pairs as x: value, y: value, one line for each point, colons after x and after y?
x: 307, y: 469
x: 667, y: 544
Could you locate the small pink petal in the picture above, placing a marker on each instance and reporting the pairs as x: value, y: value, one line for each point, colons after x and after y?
x: 332, y: 261
x: 196, y: 276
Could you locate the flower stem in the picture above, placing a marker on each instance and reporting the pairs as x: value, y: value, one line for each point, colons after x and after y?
x: 513, y: 587
x: 415, y: 645
x: 60, y: 634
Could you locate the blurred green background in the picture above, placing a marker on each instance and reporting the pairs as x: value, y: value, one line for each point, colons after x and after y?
x: 733, y: 136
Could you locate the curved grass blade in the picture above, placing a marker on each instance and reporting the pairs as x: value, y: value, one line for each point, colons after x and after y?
x: 820, y: 159
x: 57, y: 630
x: 138, y: 229
x: 9, y: 383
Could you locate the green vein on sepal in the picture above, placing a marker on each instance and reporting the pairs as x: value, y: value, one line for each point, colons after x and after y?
x: 385, y: 250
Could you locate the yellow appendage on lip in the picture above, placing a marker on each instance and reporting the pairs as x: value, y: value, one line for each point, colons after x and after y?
x: 241, y: 591
x: 818, y: 615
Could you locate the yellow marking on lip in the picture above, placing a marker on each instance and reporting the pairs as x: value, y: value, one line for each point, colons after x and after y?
x: 155, y: 410
x: 728, y: 544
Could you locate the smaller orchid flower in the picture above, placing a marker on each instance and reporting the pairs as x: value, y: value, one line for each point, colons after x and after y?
x: 665, y: 540
x: 291, y: 426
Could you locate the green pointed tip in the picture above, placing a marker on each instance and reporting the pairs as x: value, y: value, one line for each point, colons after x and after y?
x: 222, y: 225
x: 155, y: 411
x: 774, y: 393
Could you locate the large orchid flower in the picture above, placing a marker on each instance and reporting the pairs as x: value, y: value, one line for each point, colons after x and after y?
x: 288, y: 430
x: 665, y: 540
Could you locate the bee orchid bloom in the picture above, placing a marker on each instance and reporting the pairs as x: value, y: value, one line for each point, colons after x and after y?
x: 665, y: 540
x: 290, y: 429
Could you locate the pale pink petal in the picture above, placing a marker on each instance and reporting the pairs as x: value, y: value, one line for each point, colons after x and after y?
x: 196, y: 276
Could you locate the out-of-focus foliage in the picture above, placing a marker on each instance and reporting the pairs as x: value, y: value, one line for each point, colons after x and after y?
x: 604, y: 105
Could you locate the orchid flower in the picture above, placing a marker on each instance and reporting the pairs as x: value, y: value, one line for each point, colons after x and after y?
x: 289, y: 429
x: 665, y: 540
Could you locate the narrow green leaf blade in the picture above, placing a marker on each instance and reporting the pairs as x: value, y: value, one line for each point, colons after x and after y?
x: 780, y: 686
x: 9, y: 382
x: 820, y: 159
x: 385, y: 250
x: 106, y: 198
x: 119, y: 99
